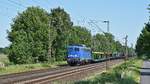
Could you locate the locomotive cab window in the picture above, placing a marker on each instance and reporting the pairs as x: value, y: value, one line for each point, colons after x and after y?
x: 76, y: 49
x: 70, y: 49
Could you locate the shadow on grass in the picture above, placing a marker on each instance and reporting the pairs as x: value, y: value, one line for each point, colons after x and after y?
x: 62, y: 65
x: 145, y: 68
x: 135, y: 69
x: 135, y: 66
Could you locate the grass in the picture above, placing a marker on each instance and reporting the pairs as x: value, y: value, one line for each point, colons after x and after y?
x: 10, y: 68
x: 4, y: 59
x: 28, y: 67
x: 126, y: 73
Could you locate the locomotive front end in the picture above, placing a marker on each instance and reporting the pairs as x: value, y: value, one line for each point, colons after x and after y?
x: 73, y: 57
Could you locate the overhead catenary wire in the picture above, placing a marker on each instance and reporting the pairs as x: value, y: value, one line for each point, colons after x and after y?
x: 108, y: 49
x: 16, y: 4
x: 93, y: 24
x: 39, y: 3
x: 36, y: 1
x: 8, y: 5
x: 19, y: 4
x: 96, y: 21
x: 2, y: 12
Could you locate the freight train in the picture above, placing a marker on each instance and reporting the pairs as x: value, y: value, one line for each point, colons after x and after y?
x: 80, y: 54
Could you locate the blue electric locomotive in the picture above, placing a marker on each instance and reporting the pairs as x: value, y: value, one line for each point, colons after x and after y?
x: 78, y: 54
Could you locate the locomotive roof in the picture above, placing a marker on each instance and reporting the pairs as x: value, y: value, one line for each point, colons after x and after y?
x: 79, y: 46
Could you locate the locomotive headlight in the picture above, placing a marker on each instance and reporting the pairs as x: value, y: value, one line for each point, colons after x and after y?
x: 72, y: 55
x: 75, y: 55
x: 69, y: 55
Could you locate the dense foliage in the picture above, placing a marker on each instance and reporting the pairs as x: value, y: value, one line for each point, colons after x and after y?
x: 4, y: 50
x: 39, y: 36
x: 80, y: 35
x: 29, y: 36
x: 106, y: 43
x: 143, y: 42
x: 61, y: 23
x: 1, y: 50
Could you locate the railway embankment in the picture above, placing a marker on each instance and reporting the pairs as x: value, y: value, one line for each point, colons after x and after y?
x: 60, y: 74
x: 6, y: 67
x: 125, y: 73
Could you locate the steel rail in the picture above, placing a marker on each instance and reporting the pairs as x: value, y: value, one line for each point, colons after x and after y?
x: 48, y: 75
x: 61, y: 75
x: 49, y: 78
x: 37, y: 74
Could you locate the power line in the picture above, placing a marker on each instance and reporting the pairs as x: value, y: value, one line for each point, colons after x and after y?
x: 7, y: 4
x: 107, y: 43
x: 21, y: 5
x: 96, y: 21
x: 4, y: 13
x: 92, y: 22
x: 36, y: 1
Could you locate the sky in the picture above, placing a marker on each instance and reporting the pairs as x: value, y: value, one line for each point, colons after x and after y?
x: 127, y: 17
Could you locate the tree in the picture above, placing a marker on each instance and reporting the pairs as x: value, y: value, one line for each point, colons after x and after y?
x: 80, y: 35
x: 99, y: 43
x: 61, y: 22
x: 110, y: 42
x: 119, y: 47
x: 106, y: 43
x: 1, y: 50
x: 29, y: 36
x: 4, y: 50
x: 143, y: 42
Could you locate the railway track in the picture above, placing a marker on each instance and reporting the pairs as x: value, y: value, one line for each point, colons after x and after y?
x: 30, y: 72
x: 49, y: 75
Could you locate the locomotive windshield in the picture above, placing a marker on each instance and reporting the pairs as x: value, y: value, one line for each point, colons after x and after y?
x: 76, y: 49
x: 73, y: 52
x: 70, y: 49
